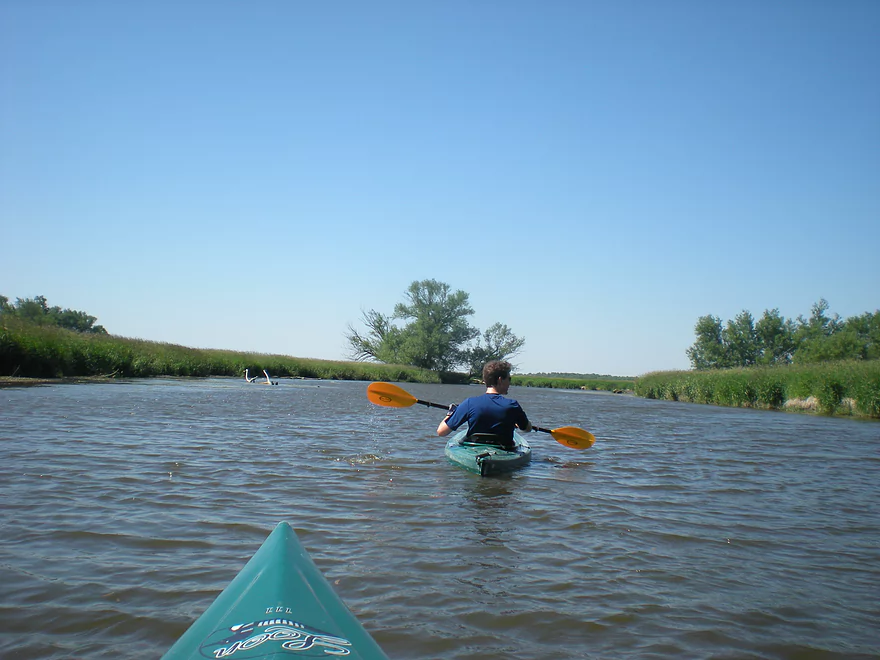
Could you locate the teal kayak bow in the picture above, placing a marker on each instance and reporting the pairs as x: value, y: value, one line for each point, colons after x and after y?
x: 278, y: 606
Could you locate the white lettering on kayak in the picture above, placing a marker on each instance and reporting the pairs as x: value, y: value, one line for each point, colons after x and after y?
x: 279, y: 610
x: 296, y: 637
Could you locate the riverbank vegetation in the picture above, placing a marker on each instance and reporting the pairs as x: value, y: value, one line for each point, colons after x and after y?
x: 35, y: 351
x: 38, y: 341
x: 47, y: 351
x: 820, y: 363
x: 849, y: 387
x: 575, y: 382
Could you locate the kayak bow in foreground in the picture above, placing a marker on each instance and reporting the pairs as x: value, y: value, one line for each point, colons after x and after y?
x: 278, y: 606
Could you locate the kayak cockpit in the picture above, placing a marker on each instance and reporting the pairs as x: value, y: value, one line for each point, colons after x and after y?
x: 488, y: 455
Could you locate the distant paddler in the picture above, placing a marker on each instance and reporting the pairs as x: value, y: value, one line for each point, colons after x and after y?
x: 248, y: 378
x: 492, y: 414
x: 269, y: 381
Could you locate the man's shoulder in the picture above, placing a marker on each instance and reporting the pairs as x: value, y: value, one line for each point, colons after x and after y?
x: 500, y: 398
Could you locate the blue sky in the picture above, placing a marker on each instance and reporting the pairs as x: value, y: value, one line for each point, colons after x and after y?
x: 596, y: 175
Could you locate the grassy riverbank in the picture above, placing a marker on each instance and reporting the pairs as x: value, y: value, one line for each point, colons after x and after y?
x: 612, y: 385
x: 49, y: 352
x: 830, y: 388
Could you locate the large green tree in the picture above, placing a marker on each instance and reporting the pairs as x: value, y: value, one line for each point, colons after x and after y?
x: 865, y: 330
x: 814, y: 335
x: 775, y: 336
x: 434, y: 333
x: 708, y: 351
x: 436, y: 329
x: 741, y: 340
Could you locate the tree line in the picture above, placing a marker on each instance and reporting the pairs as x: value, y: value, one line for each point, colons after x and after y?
x: 37, y: 311
x: 430, y: 330
x: 775, y: 340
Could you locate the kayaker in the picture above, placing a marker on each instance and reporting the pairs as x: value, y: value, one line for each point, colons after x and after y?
x: 490, y: 414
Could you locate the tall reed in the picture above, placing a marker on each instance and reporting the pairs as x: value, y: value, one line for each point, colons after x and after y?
x: 847, y: 387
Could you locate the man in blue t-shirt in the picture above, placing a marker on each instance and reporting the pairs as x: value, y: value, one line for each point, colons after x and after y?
x: 492, y: 415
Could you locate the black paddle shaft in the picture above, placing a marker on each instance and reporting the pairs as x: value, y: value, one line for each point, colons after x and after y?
x: 432, y: 405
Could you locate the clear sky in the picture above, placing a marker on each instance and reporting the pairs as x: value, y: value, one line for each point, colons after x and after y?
x: 596, y: 175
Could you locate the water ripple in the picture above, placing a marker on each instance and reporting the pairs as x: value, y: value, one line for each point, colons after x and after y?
x: 686, y: 531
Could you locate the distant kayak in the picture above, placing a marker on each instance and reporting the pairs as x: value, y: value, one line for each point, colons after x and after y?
x: 278, y: 606
x: 487, y: 459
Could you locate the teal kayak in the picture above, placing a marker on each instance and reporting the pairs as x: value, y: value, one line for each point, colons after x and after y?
x: 487, y: 459
x: 278, y: 606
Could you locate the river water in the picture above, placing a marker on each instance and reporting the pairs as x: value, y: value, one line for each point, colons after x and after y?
x: 687, y: 531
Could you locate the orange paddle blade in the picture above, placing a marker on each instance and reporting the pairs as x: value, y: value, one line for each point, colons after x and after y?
x: 391, y: 396
x: 572, y: 436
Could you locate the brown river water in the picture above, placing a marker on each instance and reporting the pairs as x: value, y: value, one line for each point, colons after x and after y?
x: 687, y: 531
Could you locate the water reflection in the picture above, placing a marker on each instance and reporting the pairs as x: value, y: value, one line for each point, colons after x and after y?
x: 490, y: 505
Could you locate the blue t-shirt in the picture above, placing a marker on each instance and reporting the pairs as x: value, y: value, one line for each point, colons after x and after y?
x: 489, y: 413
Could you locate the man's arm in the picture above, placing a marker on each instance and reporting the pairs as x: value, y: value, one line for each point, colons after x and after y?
x: 523, y: 423
x: 444, y: 429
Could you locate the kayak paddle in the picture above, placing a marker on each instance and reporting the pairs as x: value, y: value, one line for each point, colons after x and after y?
x: 392, y: 396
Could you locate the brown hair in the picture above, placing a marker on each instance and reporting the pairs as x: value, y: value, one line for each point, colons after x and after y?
x: 495, y: 370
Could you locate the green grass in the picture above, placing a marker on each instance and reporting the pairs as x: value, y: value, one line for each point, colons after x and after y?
x: 616, y: 385
x: 49, y: 352
x: 848, y: 387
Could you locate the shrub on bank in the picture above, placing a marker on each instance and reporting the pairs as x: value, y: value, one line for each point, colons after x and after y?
x: 830, y: 384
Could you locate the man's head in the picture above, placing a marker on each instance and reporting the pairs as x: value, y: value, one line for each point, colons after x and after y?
x: 494, y: 371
